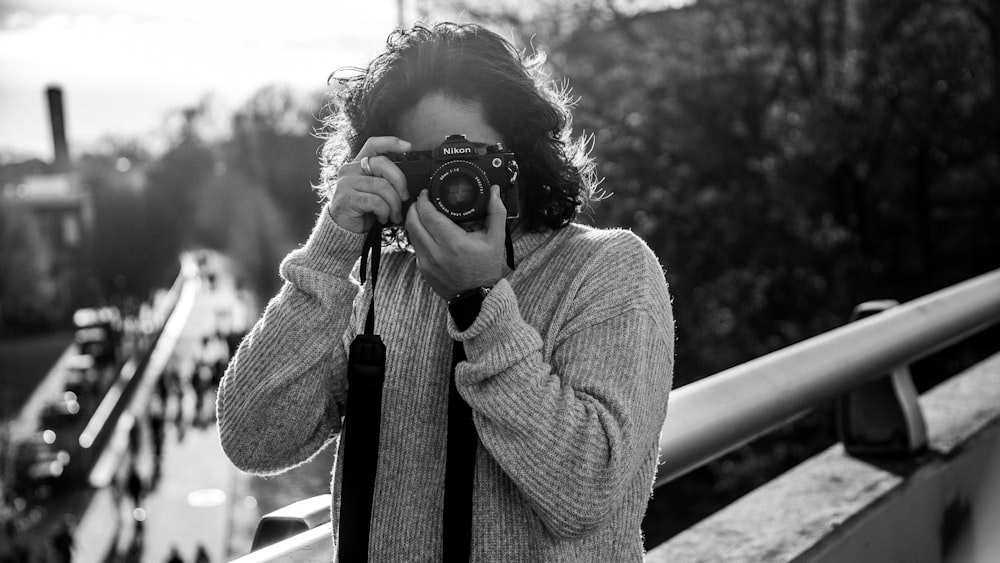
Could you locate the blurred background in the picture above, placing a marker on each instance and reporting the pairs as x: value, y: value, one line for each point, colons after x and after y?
x: 786, y: 160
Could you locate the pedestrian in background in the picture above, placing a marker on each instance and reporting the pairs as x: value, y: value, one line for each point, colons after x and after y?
x: 117, y: 493
x: 136, y: 486
x: 62, y: 540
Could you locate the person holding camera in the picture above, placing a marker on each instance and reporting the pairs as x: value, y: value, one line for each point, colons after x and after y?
x: 524, y: 361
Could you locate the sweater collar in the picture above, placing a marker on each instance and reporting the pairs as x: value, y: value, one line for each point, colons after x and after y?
x: 526, y: 243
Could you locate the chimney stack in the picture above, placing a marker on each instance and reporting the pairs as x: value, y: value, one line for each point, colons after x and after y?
x: 61, y: 162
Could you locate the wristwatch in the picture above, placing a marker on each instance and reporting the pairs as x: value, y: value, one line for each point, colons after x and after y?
x: 464, y: 307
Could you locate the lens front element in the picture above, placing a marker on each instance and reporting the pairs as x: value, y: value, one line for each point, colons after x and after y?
x: 459, y: 189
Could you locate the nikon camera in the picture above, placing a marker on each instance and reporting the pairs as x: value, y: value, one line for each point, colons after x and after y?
x: 458, y: 175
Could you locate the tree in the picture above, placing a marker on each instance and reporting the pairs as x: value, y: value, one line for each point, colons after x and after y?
x: 175, y: 181
x: 786, y: 160
x: 273, y: 146
x: 25, y: 295
x: 255, y: 234
x: 113, y: 174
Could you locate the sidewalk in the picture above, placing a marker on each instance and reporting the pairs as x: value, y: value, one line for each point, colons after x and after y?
x: 191, y: 503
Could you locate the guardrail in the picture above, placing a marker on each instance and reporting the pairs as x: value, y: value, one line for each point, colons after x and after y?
x: 97, y: 449
x: 715, y: 415
x: 169, y: 314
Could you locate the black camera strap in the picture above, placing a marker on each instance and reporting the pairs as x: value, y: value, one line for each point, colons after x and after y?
x: 460, y: 471
x: 360, y: 432
x: 360, y: 435
x: 508, y: 245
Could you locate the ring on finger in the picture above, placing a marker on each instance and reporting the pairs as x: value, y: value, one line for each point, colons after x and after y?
x: 366, y: 167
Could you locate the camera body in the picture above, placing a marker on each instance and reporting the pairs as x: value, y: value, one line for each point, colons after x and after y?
x: 458, y: 175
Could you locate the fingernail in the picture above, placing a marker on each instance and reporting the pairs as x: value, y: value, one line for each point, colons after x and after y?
x: 405, y: 145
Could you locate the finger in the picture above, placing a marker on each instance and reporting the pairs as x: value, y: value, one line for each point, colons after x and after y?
x: 384, y: 190
x: 382, y: 145
x: 384, y: 167
x: 364, y: 202
x: 496, y: 215
x: 422, y: 209
x: 353, y: 192
x: 440, y: 227
x: 417, y: 234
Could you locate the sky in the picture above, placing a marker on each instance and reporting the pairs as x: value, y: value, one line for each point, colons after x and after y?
x: 125, y: 65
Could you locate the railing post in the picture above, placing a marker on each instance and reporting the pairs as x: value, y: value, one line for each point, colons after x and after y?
x: 882, y: 418
x: 290, y: 520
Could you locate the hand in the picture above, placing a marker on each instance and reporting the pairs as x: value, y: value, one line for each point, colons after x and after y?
x: 358, y: 199
x: 451, y: 259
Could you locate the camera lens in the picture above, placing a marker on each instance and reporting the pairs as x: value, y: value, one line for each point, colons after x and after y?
x: 459, y: 189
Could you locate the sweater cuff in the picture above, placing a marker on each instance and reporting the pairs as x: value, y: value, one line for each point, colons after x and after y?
x: 499, y: 334
x: 331, y: 248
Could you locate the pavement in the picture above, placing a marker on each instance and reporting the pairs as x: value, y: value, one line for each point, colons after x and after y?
x: 191, y: 490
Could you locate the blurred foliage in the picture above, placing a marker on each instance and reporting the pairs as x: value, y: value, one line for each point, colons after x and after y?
x: 247, y: 193
x: 785, y: 159
x: 23, y: 291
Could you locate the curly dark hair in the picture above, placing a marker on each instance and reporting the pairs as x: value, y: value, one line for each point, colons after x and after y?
x: 468, y: 62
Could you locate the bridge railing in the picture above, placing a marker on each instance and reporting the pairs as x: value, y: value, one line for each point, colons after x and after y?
x: 99, y: 452
x: 716, y: 415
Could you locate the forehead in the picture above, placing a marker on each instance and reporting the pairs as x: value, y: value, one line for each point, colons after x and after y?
x: 438, y: 115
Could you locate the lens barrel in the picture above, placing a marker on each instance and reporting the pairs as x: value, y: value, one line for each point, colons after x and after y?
x: 460, y: 190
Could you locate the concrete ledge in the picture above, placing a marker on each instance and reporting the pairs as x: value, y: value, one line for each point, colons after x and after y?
x: 962, y: 406
x: 940, y: 506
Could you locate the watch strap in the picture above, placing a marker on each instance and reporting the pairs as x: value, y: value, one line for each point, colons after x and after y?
x: 465, y: 307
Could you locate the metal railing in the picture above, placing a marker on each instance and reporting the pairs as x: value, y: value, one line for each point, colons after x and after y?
x: 100, y: 453
x: 715, y: 415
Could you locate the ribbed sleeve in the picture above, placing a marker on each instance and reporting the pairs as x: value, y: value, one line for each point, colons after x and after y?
x: 281, y: 397
x: 569, y: 432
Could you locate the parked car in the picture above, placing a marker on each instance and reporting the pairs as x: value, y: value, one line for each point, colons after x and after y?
x: 40, y: 468
x: 86, y: 380
x: 98, y: 333
x: 60, y: 413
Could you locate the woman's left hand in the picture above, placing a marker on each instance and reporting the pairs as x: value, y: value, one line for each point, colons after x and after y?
x: 451, y: 259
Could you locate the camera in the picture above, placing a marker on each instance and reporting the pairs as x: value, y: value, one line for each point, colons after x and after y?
x: 458, y: 175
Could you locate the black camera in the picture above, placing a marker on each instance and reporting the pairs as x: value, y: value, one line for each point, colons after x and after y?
x: 458, y: 175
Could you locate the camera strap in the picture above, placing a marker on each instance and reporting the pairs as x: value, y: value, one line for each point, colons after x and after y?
x: 460, y: 463
x: 508, y: 245
x: 459, y: 472
x: 361, y: 430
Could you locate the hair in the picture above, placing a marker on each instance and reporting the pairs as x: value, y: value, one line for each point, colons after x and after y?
x: 470, y: 63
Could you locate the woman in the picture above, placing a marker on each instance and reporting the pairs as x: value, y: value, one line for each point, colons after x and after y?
x: 567, y: 358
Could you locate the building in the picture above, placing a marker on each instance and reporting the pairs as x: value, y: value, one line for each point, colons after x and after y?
x: 59, y: 210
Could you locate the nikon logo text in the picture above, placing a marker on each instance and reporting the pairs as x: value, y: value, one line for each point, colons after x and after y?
x: 456, y: 150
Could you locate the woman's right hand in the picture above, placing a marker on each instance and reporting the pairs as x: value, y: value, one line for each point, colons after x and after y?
x: 359, y: 199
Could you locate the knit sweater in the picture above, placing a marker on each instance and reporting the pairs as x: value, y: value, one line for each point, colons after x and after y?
x: 569, y: 366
